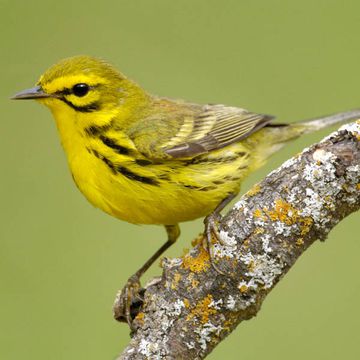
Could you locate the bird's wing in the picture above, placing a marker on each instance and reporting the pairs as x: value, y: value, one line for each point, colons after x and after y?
x: 214, y: 127
x: 183, y: 130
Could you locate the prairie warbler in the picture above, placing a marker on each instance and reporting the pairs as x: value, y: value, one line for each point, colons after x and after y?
x: 151, y: 160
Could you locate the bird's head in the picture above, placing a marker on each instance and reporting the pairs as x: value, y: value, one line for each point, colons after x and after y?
x: 84, y: 85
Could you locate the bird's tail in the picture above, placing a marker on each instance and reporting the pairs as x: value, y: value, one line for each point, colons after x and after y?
x: 278, y: 135
x: 309, y: 126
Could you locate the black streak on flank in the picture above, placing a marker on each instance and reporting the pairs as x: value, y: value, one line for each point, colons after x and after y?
x: 110, y: 165
x: 132, y: 176
x: 111, y: 143
x: 118, y: 169
x: 95, y: 130
x: 143, y: 162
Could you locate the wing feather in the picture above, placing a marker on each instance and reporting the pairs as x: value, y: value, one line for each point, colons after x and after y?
x: 214, y: 127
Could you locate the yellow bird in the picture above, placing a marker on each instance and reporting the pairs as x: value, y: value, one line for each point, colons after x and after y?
x: 152, y: 160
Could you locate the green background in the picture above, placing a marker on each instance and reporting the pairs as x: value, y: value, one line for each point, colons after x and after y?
x: 61, y: 260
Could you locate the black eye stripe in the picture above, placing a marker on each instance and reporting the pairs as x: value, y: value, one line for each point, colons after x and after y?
x: 62, y: 95
x: 69, y: 91
x: 64, y: 92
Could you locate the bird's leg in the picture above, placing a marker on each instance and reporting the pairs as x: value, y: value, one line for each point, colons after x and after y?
x: 130, y: 298
x: 211, y: 228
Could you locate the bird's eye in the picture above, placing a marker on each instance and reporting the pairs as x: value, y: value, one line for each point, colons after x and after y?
x: 80, y: 89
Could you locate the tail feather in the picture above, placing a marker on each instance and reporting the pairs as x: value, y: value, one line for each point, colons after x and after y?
x: 278, y: 135
x: 309, y: 126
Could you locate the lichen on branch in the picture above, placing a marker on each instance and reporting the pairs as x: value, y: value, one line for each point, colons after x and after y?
x: 194, y: 307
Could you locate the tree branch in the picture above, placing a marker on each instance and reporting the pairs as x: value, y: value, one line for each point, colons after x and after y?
x: 193, y: 307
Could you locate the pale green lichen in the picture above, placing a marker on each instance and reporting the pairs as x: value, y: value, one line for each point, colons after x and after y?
x: 207, y: 333
x: 263, y: 270
x: 226, y: 247
x: 230, y: 303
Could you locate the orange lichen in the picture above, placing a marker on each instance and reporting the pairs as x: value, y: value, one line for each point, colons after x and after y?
x: 328, y: 198
x: 259, y: 231
x: 358, y: 186
x: 300, y: 242
x: 246, y: 243
x: 305, y: 224
x: 258, y: 213
x: 283, y: 212
x: 251, y: 265
x: 202, y: 310
x: 190, y: 279
x: 199, y: 263
x: 254, y: 190
x: 140, y: 318
x: 243, y: 288
x: 228, y: 324
x: 194, y: 283
x: 232, y: 320
x: 287, y: 214
x: 175, y: 281
x: 187, y: 303
x: 358, y: 134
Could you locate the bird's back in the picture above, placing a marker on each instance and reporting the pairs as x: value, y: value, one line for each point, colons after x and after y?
x: 127, y: 172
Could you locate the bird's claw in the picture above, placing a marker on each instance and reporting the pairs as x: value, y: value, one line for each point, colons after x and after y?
x: 128, y: 301
x: 211, y: 229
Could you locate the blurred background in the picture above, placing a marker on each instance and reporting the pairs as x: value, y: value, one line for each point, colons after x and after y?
x: 62, y: 261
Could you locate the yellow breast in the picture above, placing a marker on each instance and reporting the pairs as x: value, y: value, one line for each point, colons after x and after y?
x: 126, y: 186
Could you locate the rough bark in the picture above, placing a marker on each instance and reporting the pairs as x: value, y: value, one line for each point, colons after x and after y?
x: 194, y: 307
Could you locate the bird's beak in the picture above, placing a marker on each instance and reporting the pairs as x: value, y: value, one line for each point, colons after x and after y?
x: 34, y: 93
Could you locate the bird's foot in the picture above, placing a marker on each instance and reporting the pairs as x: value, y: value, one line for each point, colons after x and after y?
x: 128, y: 301
x: 212, y: 233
